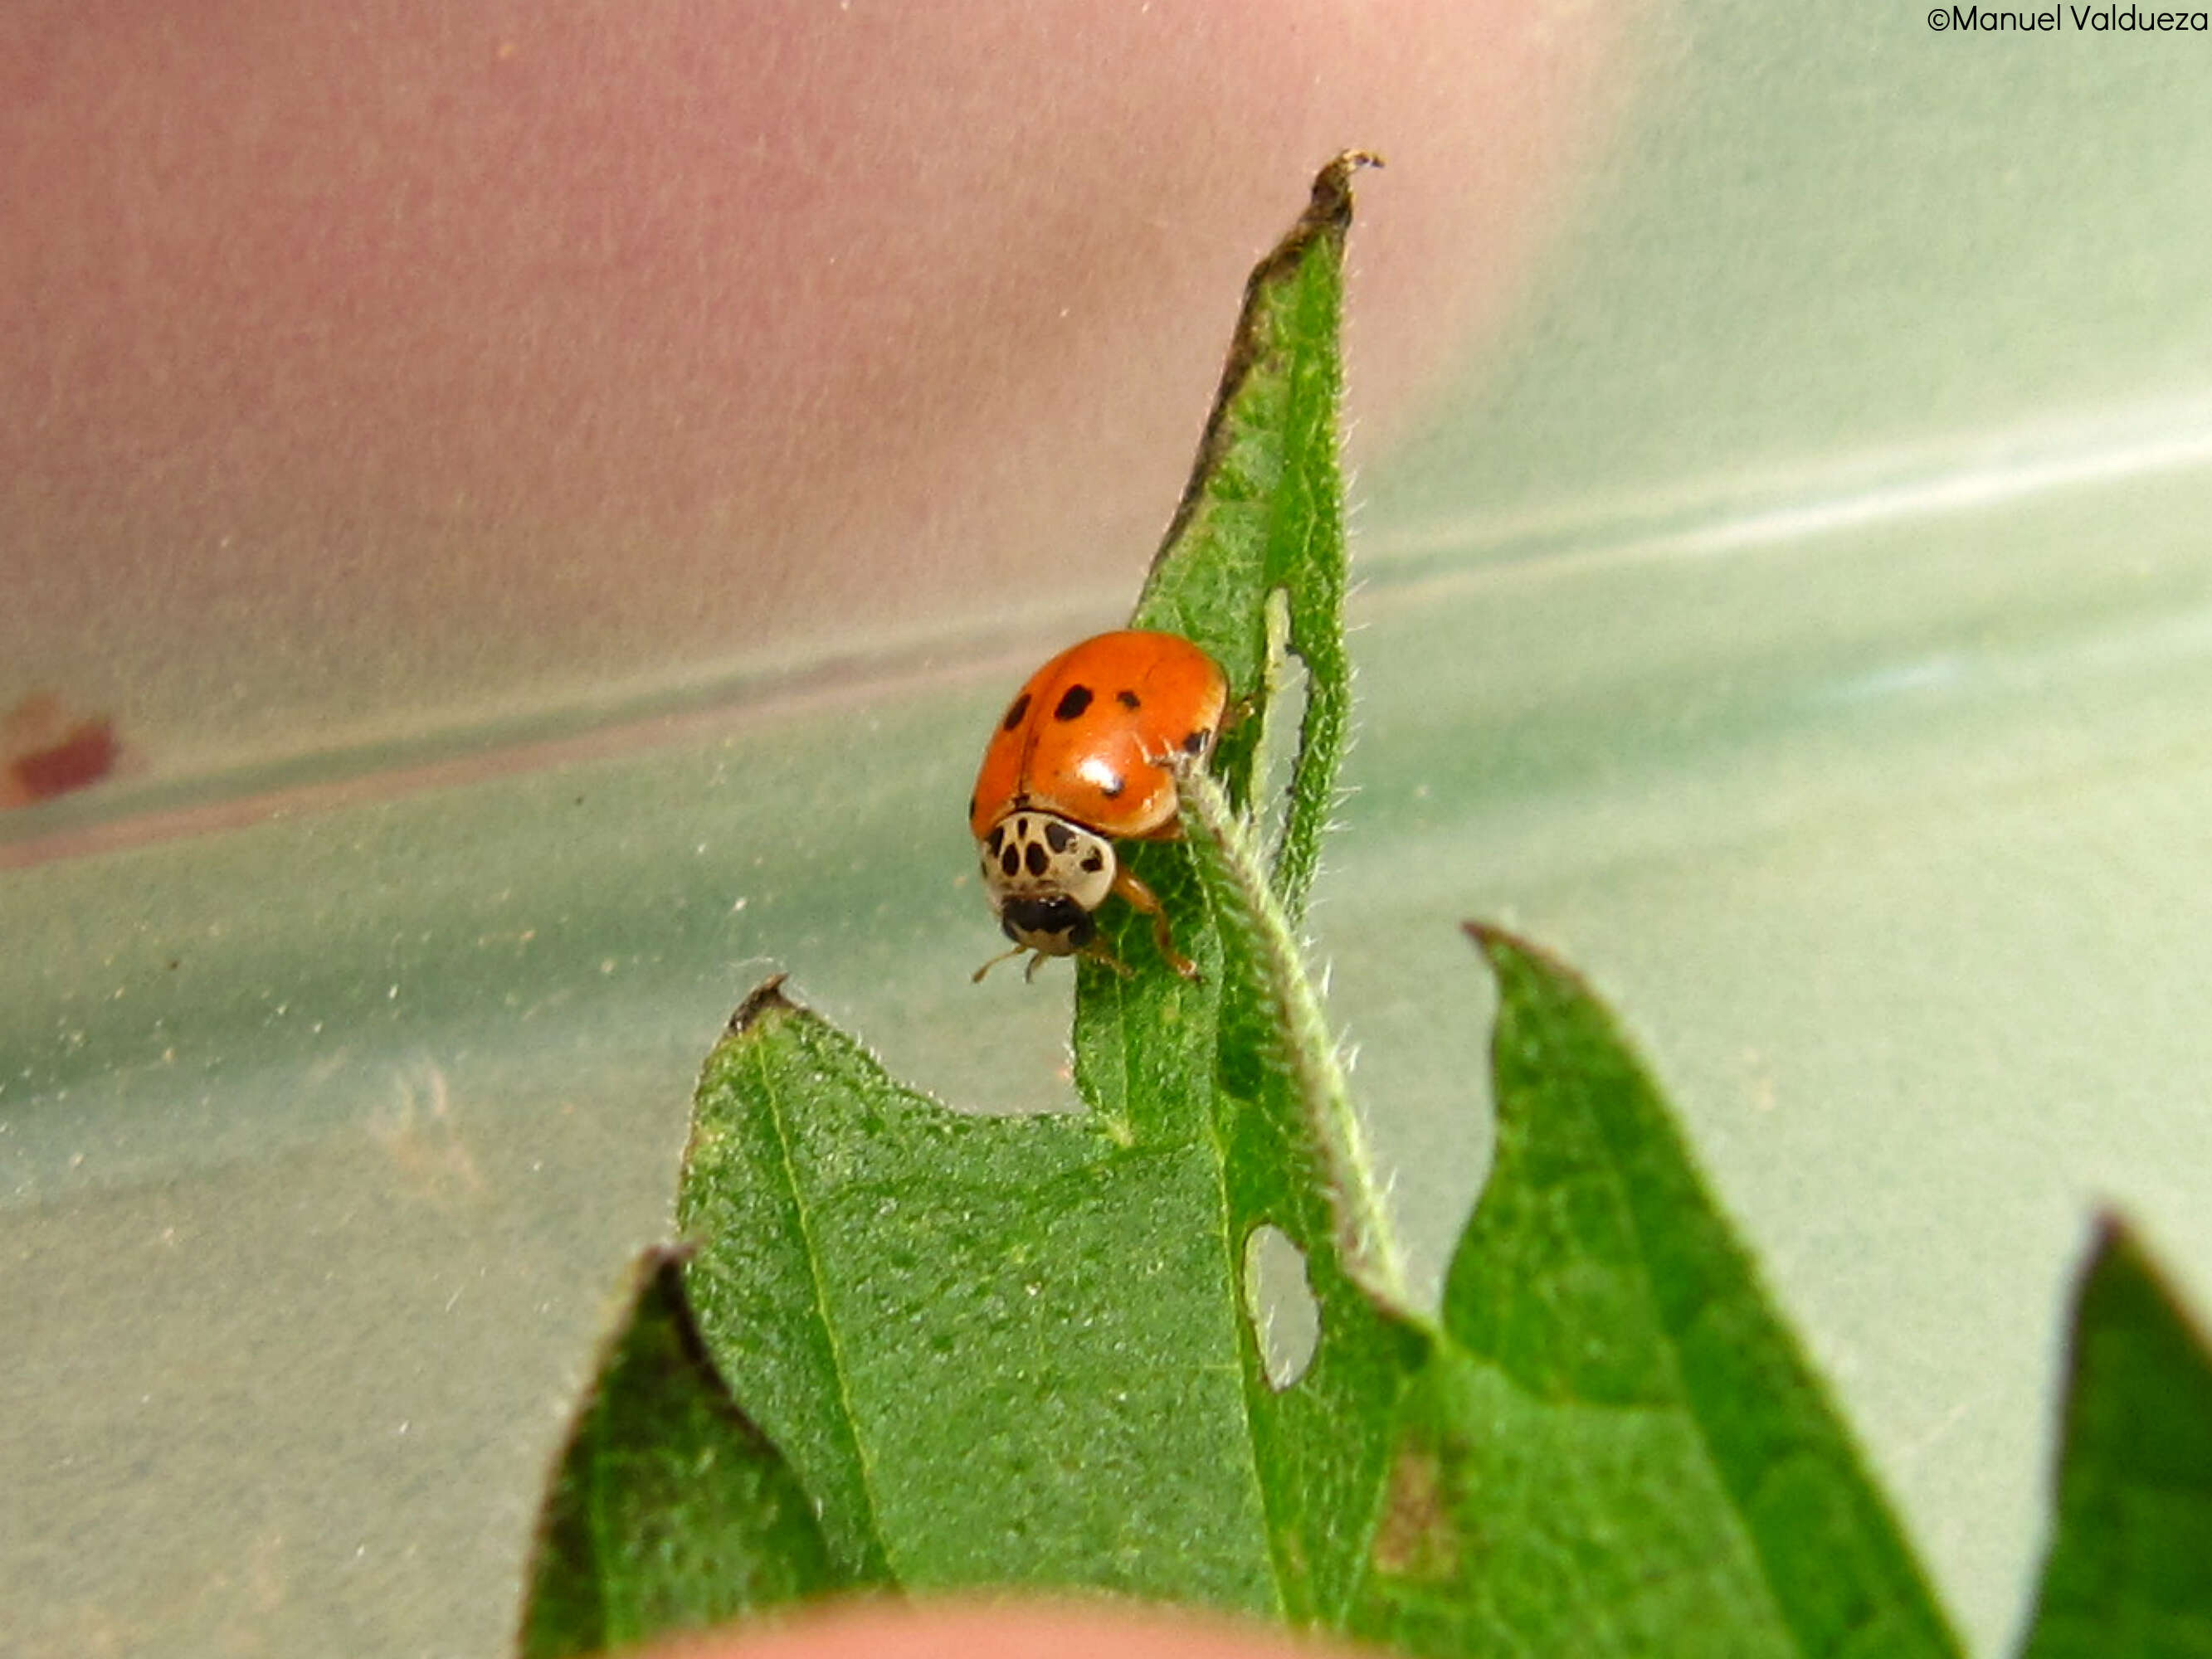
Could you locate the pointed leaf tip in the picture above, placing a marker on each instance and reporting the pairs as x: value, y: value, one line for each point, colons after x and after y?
x: 764, y: 999
x: 2133, y: 1531
x: 1326, y: 217
x: 1504, y: 948
x: 669, y: 1511
x: 1620, y: 1447
x: 1331, y: 188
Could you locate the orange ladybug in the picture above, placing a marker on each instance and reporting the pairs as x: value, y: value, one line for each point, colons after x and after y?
x: 1082, y: 758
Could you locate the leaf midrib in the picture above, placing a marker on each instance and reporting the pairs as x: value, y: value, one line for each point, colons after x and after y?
x: 817, y: 1278
x: 1671, y: 1332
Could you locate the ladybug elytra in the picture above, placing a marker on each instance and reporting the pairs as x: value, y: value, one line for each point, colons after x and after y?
x: 1084, y: 757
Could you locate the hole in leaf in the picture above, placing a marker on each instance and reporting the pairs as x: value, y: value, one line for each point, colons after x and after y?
x: 1278, y: 748
x: 1285, y: 1318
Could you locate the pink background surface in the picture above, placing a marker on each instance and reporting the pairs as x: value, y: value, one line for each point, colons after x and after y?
x: 398, y: 366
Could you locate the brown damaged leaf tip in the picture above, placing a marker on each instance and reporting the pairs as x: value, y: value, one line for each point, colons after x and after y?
x: 1332, y: 188
x: 1327, y: 218
x: 656, y: 1258
x: 765, y: 998
x: 1499, y: 945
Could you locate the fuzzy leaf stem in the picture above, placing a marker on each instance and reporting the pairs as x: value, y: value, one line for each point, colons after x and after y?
x: 1235, y: 872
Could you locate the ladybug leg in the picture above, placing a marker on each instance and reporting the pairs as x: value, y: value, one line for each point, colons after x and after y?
x: 1142, y: 897
x: 1097, y: 952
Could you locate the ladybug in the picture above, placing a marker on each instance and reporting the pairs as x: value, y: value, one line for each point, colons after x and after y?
x: 1083, y: 757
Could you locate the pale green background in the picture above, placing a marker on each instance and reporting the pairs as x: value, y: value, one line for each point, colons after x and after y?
x: 1806, y: 627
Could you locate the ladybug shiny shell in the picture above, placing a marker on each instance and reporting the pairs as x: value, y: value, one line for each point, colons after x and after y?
x: 1083, y: 757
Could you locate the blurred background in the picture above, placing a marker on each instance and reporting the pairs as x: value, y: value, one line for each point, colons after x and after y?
x: 513, y: 528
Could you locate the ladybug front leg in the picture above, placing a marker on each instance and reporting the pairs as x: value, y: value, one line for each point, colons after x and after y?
x: 1141, y: 897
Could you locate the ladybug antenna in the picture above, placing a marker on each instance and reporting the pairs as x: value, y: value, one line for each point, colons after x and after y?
x: 1003, y: 956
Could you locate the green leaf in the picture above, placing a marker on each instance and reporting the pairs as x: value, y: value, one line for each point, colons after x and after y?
x: 1263, y: 514
x: 1023, y: 1352
x: 1618, y: 1447
x: 1016, y: 1352
x: 998, y: 1351
x: 1263, y: 517
x: 2129, y: 1571
x: 669, y: 1511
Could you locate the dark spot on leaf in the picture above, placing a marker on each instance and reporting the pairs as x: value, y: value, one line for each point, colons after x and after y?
x: 1073, y: 702
x: 1128, y: 699
x: 1060, y: 835
x: 1017, y: 714
x: 1416, y: 1537
x: 1037, y: 859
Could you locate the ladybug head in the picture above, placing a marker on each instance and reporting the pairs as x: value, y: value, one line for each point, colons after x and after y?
x: 1045, y: 876
x: 1056, y: 926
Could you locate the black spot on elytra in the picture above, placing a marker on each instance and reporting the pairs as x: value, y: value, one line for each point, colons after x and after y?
x: 1073, y: 702
x: 1128, y: 699
x: 1060, y: 835
x: 1092, y: 862
x: 971, y: 806
x: 1113, y: 787
x: 1195, y: 744
x: 1017, y: 714
x: 1038, y: 859
x: 1009, y: 861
